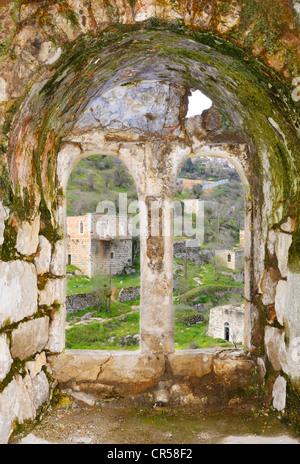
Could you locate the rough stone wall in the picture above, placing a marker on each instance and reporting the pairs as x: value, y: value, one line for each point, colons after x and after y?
x: 193, y: 254
x: 228, y: 257
x: 101, y: 252
x: 80, y: 301
x: 129, y: 293
x: 58, y: 60
x: 80, y: 251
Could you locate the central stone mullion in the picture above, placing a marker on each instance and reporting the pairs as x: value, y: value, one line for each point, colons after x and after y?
x: 157, y: 321
x: 155, y: 166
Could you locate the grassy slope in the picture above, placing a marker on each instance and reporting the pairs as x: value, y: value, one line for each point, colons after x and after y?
x: 96, y: 335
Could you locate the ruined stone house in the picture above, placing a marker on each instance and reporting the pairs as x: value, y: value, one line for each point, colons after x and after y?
x: 99, y: 244
x: 233, y: 259
x: 227, y: 322
x: 71, y: 74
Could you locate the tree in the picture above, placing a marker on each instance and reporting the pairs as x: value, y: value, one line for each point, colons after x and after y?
x: 197, y: 190
x: 102, y: 289
x: 91, y: 178
x: 219, y: 265
x: 121, y: 176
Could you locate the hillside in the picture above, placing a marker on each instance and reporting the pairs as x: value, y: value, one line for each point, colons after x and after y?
x: 103, y: 178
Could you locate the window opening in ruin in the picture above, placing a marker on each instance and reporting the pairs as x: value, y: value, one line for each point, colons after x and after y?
x: 103, y: 264
x: 198, y: 102
x: 226, y: 331
x: 208, y: 286
x: 81, y: 227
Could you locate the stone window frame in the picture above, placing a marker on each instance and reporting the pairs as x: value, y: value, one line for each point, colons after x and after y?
x: 148, y: 345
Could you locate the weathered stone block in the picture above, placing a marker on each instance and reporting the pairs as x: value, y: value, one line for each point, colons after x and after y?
x: 282, y: 247
x: 279, y: 394
x: 16, y: 403
x: 30, y: 337
x: 89, y: 365
x: 230, y: 371
x: 191, y: 363
x: 43, y: 257
x: 41, y: 389
x: 268, y: 286
x: 275, y: 347
x: 280, y: 300
x: 57, y: 333
x: 5, y: 357
x: 53, y: 292
x: 28, y: 237
x: 18, y: 291
x: 58, y: 261
x: 34, y: 367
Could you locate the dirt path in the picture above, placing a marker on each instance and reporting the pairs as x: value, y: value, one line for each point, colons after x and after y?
x: 113, y: 298
x: 69, y: 325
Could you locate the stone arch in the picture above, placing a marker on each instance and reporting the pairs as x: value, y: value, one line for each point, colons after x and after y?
x: 254, y: 108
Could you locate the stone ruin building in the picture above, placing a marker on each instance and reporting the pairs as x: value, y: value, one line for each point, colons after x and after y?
x: 99, y: 243
x: 233, y: 259
x: 71, y: 75
x: 227, y: 323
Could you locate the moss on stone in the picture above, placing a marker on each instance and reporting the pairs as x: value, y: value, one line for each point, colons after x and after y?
x: 17, y: 368
x: 293, y: 403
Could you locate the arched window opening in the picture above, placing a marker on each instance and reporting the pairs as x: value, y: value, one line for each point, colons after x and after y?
x: 209, y: 275
x: 103, y: 257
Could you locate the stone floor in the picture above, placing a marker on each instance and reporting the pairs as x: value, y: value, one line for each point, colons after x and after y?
x: 117, y: 422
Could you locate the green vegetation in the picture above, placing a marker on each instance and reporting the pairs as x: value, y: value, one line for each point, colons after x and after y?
x: 224, y: 208
x: 96, y: 179
x: 106, y: 335
x: 99, y: 178
x: 119, y: 328
x: 83, y: 284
